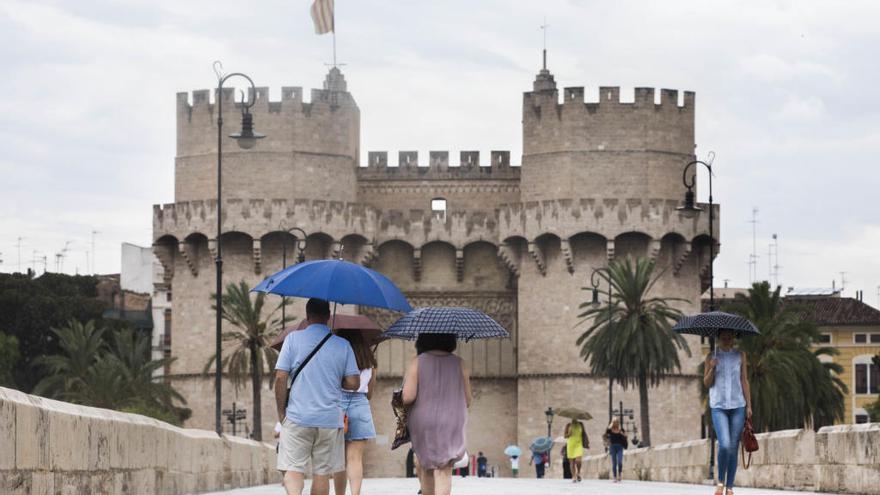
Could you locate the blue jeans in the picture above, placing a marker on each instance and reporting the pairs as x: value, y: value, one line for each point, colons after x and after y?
x: 728, y: 429
x: 616, y: 452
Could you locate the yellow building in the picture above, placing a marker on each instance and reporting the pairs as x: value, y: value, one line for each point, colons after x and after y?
x: 852, y: 327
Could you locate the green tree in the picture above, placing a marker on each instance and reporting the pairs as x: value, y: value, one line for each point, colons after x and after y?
x: 247, y: 352
x: 791, y: 386
x: 129, y: 353
x: 81, y: 346
x: 31, y: 307
x: 631, y: 339
x: 9, y: 356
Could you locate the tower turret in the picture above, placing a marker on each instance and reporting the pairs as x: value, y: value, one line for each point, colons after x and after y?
x: 604, y: 149
x: 310, y: 151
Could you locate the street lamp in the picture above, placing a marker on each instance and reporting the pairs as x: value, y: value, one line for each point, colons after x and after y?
x: 689, y: 209
x: 595, y: 279
x: 549, y: 413
x: 300, y: 257
x: 246, y: 139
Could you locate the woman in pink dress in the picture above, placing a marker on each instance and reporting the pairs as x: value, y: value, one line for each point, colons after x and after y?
x: 438, y: 388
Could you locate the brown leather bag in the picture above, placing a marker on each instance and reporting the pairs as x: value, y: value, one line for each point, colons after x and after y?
x: 749, y: 443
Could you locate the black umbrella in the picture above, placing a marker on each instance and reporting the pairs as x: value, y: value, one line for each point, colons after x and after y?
x: 466, y: 323
x: 711, y: 323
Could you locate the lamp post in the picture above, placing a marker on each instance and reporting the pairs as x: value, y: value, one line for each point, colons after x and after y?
x: 246, y: 139
x: 594, y: 281
x: 300, y: 257
x: 689, y: 209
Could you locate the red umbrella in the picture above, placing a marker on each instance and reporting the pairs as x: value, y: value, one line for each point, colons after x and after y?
x: 370, y: 329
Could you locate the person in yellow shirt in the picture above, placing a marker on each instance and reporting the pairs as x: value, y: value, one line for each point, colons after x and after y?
x: 577, y: 441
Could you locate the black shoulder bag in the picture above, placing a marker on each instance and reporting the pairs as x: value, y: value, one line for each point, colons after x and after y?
x: 303, y: 365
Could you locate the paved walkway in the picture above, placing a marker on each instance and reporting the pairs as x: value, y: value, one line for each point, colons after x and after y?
x: 508, y: 486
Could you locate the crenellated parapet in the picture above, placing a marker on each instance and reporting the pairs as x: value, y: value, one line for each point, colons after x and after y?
x: 437, y: 167
x: 608, y: 217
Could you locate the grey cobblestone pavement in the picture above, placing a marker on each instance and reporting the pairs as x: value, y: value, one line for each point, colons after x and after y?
x: 522, y: 486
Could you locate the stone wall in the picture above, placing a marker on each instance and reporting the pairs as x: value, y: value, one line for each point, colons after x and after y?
x: 56, y: 447
x: 839, y: 459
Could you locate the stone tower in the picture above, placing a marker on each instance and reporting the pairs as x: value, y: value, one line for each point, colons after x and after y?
x: 598, y: 180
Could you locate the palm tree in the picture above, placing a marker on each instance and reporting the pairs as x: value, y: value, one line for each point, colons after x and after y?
x: 791, y: 386
x: 248, y: 353
x: 81, y: 345
x: 130, y: 353
x: 631, y: 339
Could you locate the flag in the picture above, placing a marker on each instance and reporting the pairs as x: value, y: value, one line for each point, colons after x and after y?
x: 322, y: 16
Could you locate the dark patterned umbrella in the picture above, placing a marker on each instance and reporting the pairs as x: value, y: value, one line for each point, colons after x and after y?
x: 466, y: 323
x: 709, y: 324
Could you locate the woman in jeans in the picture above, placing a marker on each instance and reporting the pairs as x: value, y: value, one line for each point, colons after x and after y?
x: 617, y: 442
x: 726, y: 376
x: 437, y: 385
x: 356, y: 406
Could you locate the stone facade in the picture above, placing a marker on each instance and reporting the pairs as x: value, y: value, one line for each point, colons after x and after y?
x: 598, y: 181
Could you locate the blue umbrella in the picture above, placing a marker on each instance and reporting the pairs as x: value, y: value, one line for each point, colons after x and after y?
x: 541, y: 445
x: 512, y: 451
x: 465, y: 323
x: 337, y: 281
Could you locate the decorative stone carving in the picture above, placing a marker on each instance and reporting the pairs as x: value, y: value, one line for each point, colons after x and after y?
x: 509, y: 257
x: 682, y: 251
x: 417, y: 264
x: 565, y: 246
x: 258, y: 257
x: 165, y: 254
x: 459, y: 264
x: 538, y: 256
x: 189, y: 258
x: 654, y: 249
x: 609, y: 249
x: 500, y: 306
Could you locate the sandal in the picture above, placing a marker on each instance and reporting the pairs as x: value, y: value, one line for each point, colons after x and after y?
x: 719, y: 490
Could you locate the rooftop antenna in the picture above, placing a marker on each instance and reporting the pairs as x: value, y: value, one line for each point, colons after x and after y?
x: 18, y: 245
x: 544, y: 29
x: 773, y: 261
x: 843, y: 281
x: 753, y: 258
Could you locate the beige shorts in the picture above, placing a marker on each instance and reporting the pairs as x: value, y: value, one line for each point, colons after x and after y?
x: 300, y: 445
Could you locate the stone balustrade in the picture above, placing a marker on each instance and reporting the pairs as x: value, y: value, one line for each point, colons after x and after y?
x: 52, y: 447
x: 837, y: 459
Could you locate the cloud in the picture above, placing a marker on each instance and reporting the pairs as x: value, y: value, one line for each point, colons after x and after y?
x: 783, y: 98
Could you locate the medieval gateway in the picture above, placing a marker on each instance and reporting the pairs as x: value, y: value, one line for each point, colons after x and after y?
x: 598, y: 181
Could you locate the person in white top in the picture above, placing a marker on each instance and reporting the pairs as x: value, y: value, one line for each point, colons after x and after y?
x: 359, y: 420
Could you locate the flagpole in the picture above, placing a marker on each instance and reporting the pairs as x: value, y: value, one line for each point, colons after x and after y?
x: 334, y: 36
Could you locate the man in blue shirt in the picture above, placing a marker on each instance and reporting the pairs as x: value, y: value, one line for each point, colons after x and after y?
x: 311, y: 422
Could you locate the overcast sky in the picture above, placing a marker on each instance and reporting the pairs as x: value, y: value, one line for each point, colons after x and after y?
x: 786, y: 98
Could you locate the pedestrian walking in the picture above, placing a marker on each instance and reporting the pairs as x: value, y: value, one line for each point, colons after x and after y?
x: 318, y: 364
x: 726, y: 375
x: 577, y: 441
x: 359, y: 419
x: 482, y: 464
x: 539, y: 459
x: 514, y: 465
x: 437, y: 385
x: 617, y: 443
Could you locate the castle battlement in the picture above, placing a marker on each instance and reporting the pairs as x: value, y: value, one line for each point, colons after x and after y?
x: 610, y: 99
x: 438, y: 166
x: 292, y: 100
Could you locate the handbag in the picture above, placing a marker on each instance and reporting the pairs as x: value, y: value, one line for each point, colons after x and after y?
x: 401, y: 412
x: 749, y: 443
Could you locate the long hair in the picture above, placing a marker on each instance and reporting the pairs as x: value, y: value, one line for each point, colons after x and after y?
x: 363, y: 354
x: 435, y: 342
